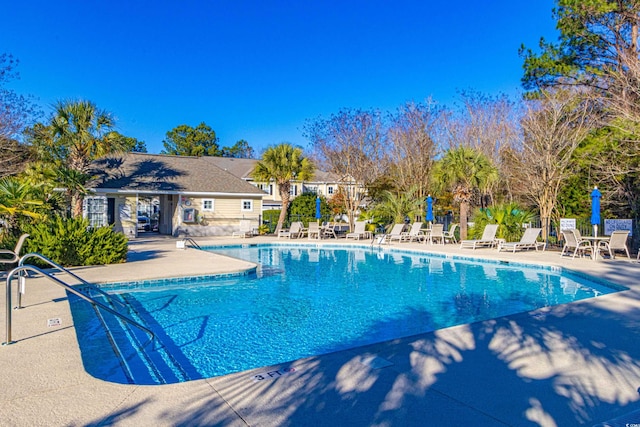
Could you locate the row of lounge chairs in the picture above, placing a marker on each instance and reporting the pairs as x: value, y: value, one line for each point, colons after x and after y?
x: 331, y: 230
x: 529, y: 240
x: 574, y: 243
x: 436, y: 234
x: 295, y: 231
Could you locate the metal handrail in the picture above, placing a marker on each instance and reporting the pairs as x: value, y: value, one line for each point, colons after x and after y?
x: 61, y: 268
x: 193, y: 242
x: 69, y: 289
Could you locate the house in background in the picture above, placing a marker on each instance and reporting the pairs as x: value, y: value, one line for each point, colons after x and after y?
x: 188, y: 195
x: 323, y: 183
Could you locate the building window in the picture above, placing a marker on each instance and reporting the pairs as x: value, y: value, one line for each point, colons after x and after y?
x: 207, y: 205
x: 247, y: 205
x: 329, y: 190
x: 95, y: 210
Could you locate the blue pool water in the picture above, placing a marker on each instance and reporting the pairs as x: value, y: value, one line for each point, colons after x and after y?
x: 305, y: 301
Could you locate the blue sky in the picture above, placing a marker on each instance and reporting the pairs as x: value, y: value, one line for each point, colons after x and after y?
x: 256, y: 70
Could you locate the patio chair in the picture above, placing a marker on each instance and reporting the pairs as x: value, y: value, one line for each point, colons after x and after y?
x: 571, y: 242
x: 396, y: 233
x: 245, y: 229
x: 488, y: 238
x: 14, y: 255
x: 437, y: 233
x: 528, y: 240
x: 329, y: 231
x: 359, y: 231
x: 617, y: 242
x: 416, y: 233
x: 295, y: 231
x: 314, y: 230
x: 451, y: 234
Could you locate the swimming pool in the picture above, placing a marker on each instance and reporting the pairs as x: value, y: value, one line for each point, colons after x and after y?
x: 308, y: 300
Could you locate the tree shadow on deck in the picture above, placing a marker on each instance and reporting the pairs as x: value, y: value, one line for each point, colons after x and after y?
x: 573, y: 364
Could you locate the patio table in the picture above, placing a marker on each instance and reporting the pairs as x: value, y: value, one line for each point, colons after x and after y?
x: 595, y: 244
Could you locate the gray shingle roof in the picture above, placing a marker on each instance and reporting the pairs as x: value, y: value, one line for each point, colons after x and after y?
x: 242, y: 168
x: 239, y: 167
x: 162, y: 173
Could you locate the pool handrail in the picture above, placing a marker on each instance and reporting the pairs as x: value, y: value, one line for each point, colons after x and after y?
x: 191, y: 241
x: 64, y: 270
x: 68, y: 288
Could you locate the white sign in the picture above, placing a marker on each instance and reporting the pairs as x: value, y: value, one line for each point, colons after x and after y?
x: 56, y: 321
x: 567, y: 224
x: 611, y: 225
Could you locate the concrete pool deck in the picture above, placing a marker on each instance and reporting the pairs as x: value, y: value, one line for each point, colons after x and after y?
x: 574, y: 364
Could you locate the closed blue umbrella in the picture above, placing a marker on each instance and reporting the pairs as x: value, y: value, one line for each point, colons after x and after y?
x: 595, y: 210
x: 318, y: 213
x: 429, y: 213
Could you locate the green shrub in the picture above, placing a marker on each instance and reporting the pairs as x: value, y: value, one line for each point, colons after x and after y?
x: 509, y: 217
x: 303, y: 208
x: 72, y: 242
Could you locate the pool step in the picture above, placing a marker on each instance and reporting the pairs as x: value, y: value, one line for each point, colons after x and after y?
x: 143, y: 361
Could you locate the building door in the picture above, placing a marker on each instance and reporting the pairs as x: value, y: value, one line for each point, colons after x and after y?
x: 165, y: 214
x: 111, y: 210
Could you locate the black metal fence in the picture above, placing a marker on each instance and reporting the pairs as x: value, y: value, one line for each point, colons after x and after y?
x: 554, y: 236
x: 585, y: 227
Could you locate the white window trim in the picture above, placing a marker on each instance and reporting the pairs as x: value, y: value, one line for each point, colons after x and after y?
x: 242, y: 208
x: 213, y: 205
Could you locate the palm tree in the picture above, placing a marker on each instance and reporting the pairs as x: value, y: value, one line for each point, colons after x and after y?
x: 18, y: 198
x: 79, y: 133
x: 462, y: 171
x: 510, y: 218
x: 283, y: 163
x: 395, y: 207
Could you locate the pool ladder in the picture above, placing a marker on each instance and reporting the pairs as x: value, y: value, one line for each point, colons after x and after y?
x: 83, y: 292
x: 189, y: 241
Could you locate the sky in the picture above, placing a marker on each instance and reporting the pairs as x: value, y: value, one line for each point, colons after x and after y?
x: 258, y: 70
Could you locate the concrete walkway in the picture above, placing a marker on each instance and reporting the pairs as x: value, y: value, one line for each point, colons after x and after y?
x: 575, y: 364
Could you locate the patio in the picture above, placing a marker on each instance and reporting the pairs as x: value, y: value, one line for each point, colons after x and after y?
x: 576, y: 364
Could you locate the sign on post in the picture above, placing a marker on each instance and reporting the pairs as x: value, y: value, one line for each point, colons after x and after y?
x: 567, y: 224
x: 611, y: 225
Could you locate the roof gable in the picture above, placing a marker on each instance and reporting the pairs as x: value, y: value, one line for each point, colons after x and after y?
x: 163, y: 173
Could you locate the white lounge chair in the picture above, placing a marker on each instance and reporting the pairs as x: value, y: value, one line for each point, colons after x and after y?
x: 14, y: 255
x: 359, y: 231
x: 451, y: 234
x: 575, y: 244
x: 436, y: 234
x: 488, y: 238
x: 295, y: 231
x: 528, y: 240
x: 245, y: 229
x: 314, y: 230
x: 617, y: 242
x: 329, y: 231
x: 416, y: 233
x: 397, y: 233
